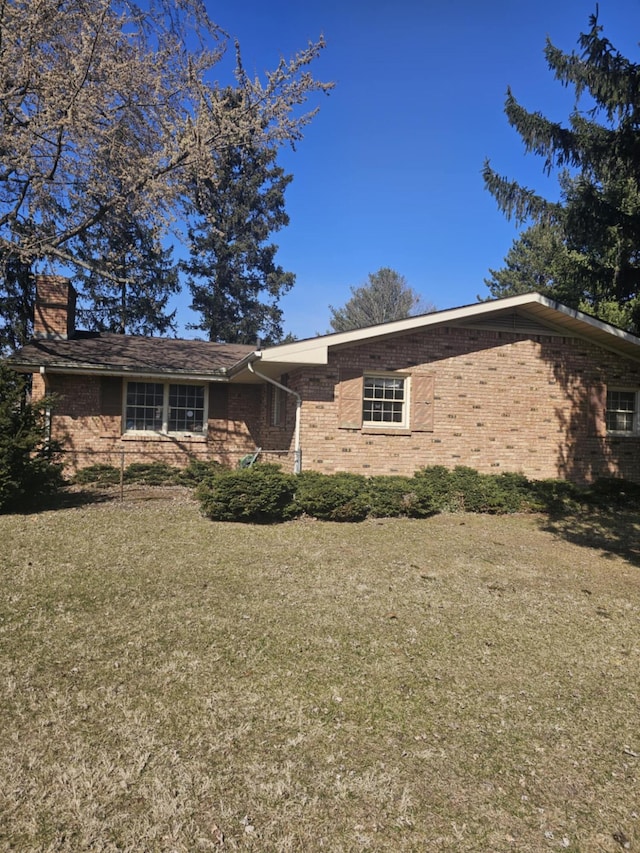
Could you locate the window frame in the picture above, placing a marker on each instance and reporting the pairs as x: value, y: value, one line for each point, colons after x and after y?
x: 635, y: 427
x: 403, y: 423
x: 277, y: 406
x: 166, y: 390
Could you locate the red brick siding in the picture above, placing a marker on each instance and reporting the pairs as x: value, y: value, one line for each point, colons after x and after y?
x: 90, y: 437
x: 54, y: 315
x: 502, y: 402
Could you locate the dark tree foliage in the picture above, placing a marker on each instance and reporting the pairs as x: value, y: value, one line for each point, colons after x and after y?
x: 597, y: 160
x: 28, y: 472
x: 233, y: 276
x: 385, y: 297
x: 128, y: 280
x: 538, y: 261
x: 17, y: 297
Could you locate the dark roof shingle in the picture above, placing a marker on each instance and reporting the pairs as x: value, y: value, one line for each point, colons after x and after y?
x: 108, y: 352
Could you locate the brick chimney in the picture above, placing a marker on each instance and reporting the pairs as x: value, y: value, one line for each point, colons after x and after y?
x: 55, y: 310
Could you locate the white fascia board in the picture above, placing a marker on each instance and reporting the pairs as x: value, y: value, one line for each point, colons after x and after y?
x: 315, y: 350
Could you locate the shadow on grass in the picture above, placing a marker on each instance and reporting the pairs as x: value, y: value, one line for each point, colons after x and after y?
x: 613, y: 532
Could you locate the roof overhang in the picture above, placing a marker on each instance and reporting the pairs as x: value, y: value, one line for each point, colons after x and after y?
x: 545, y: 311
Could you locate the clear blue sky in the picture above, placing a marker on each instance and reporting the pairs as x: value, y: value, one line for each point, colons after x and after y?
x: 389, y: 173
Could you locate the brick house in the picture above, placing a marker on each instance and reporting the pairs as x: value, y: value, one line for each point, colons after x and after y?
x: 518, y: 384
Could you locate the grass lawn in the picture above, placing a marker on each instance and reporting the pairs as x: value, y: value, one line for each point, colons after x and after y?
x: 463, y: 683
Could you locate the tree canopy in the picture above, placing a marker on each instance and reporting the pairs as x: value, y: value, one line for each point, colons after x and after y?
x: 233, y: 277
x: 596, y: 157
x: 385, y: 297
x: 110, y: 111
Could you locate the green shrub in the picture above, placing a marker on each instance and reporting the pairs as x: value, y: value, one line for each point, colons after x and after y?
x: 395, y: 496
x: 331, y: 497
x: 613, y: 492
x: 29, y: 472
x: 100, y: 474
x: 151, y: 473
x: 516, y: 490
x: 434, y: 487
x: 557, y: 496
x: 260, y: 494
x: 199, y: 471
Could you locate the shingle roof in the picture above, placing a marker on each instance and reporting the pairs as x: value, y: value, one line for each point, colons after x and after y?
x: 111, y: 353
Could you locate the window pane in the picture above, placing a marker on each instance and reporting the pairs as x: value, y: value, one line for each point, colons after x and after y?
x: 186, y: 408
x: 621, y: 411
x: 144, y: 406
x: 383, y: 400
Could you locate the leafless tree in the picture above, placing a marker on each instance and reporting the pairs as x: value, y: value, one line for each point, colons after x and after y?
x: 108, y: 106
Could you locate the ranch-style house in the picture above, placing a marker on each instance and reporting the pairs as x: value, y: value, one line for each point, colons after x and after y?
x: 520, y: 384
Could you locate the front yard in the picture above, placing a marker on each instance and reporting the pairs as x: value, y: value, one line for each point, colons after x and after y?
x: 463, y: 683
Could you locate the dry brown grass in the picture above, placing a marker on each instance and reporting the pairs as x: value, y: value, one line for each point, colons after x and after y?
x: 461, y: 683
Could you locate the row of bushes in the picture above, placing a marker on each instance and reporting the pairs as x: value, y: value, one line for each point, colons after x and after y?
x: 148, y: 474
x: 264, y: 493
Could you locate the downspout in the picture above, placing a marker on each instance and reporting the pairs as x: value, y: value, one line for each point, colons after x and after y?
x: 297, y: 452
x: 47, y: 411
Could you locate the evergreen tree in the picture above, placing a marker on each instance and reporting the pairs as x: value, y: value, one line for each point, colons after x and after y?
x: 597, y: 159
x: 17, y: 299
x: 385, y: 297
x: 28, y: 471
x: 538, y: 260
x: 233, y: 277
x: 129, y: 289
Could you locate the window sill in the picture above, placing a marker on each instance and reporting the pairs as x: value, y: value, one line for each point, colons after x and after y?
x: 148, y: 435
x: 386, y: 430
x: 612, y: 434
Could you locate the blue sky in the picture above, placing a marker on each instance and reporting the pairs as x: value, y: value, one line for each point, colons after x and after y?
x: 389, y: 172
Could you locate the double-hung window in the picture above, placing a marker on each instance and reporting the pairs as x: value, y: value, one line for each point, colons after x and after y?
x: 384, y: 401
x: 166, y: 407
x: 622, y: 411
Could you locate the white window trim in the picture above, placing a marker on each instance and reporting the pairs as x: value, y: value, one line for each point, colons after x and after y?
x: 406, y: 402
x: 635, y: 430
x: 165, y: 410
x: 277, y: 403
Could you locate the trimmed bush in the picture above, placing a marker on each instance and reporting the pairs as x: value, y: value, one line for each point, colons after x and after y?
x: 613, y: 492
x: 434, y: 486
x: 332, y: 497
x: 261, y: 494
x: 151, y: 473
x: 395, y: 496
x: 198, y: 471
x: 100, y: 474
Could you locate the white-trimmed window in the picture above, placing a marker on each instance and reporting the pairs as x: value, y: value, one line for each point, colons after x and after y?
x: 384, y: 401
x: 278, y: 405
x: 166, y: 407
x: 622, y: 411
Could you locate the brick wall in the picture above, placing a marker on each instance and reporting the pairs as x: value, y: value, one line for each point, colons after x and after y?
x: 501, y: 402
x: 90, y: 430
